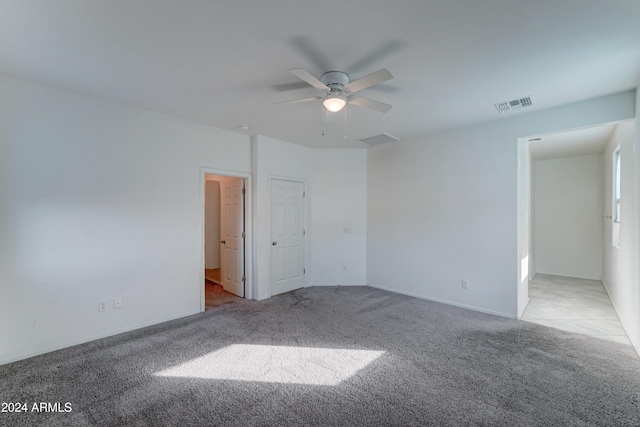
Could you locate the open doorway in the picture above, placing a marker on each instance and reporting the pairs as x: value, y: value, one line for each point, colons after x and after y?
x: 224, y: 237
x: 564, y: 196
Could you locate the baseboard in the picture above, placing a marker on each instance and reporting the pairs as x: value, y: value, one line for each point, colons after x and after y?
x: 441, y: 301
x: 569, y: 276
x: 72, y: 343
x: 337, y: 284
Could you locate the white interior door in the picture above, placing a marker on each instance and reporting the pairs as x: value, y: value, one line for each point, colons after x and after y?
x: 287, y: 236
x: 232, y: 243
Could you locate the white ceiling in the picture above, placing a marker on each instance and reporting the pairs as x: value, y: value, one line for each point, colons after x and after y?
x: 224, y: 63
x: 579, y: 142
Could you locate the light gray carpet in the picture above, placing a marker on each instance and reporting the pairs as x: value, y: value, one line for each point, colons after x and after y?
x: 278, y: 362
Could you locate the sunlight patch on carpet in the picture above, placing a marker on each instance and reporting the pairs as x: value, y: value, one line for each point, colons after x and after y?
x: 276, y: 364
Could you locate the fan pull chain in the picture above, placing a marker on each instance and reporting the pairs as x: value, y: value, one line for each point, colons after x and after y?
x: 345, y: 122
x: 324, y: 115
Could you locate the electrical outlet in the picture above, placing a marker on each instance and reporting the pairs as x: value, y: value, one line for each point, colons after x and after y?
x: 465, y: 284
x: 117, y: 302
x: 102, y: 306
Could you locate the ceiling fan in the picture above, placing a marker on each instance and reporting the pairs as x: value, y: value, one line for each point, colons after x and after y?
x: 340, y: 90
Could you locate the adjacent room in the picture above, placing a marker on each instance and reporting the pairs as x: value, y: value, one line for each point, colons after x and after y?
x: 576, y: 179
x: 330, y: 213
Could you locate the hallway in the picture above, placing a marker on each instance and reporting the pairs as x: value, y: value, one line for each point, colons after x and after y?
x: 575, y: 305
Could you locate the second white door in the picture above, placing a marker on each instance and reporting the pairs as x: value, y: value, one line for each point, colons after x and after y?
x: 287, y: 236
x: 232, y: 231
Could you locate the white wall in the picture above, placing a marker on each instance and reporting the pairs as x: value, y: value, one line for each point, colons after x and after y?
x: 524, y: 225
x: 620, y: 262
x: 339, y: 217
x: 634, y: 321
x: 272, y: 158
x: 443, y: 208
x: 98, y: 200
x: 335, y: 184
x: 532, y: 219
x: 568, y: 216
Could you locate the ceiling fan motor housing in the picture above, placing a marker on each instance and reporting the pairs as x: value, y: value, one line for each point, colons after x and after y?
x: 333, y: 79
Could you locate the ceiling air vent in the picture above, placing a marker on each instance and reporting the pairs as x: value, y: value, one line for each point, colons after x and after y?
x: 516, y: 104
x: 379, y: 139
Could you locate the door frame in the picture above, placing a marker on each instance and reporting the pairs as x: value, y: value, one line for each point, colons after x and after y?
x: 304, y: 219
x: 248, y: 227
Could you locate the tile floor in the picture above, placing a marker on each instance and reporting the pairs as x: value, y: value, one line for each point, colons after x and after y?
x: 574, y: 305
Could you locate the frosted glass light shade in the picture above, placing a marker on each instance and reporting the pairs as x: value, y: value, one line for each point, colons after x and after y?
x: 334, y: 103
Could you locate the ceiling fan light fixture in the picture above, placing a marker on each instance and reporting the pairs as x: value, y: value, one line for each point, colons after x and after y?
x: 339, y: 90
x: 334, y: 103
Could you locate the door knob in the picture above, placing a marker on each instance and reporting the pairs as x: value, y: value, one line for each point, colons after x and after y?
x: 224, y: 242
x: 274, y: 243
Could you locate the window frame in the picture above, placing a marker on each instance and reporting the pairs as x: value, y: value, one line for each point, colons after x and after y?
x: 617, y: 173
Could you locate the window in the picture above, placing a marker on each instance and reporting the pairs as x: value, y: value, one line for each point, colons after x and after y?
x: 616, y: 185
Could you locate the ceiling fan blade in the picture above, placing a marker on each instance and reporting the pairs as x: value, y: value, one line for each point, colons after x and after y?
x: 369, y: 103
x: 294, y: 101
x: 303, y: 75
x: 284, y: 87
x: 370, y: 80
x: 375, y: 56
x: 309, y: 48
